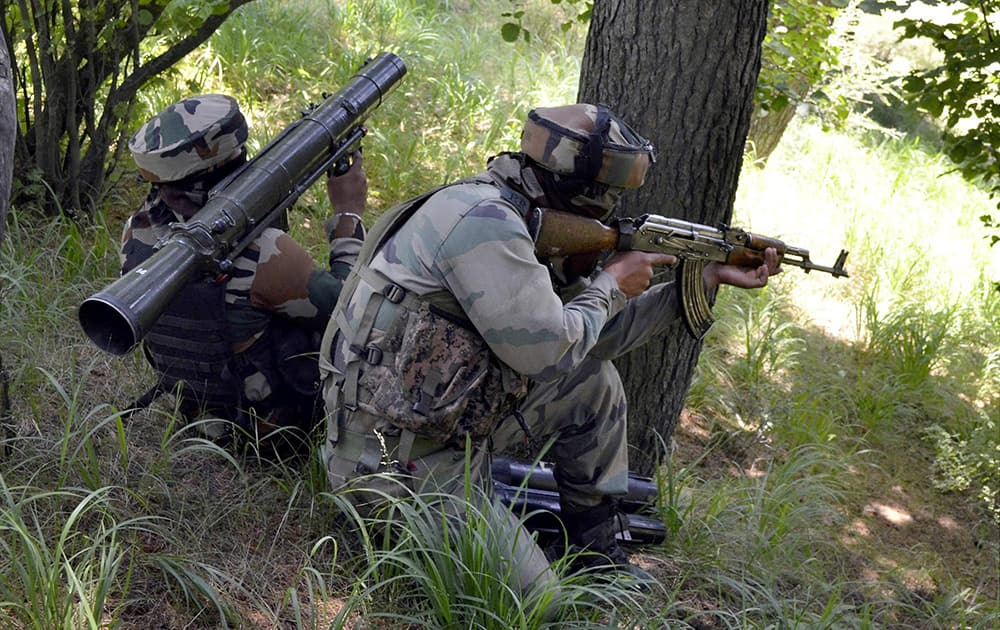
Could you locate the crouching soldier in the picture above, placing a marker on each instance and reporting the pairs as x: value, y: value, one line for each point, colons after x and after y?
x: 243, y: 347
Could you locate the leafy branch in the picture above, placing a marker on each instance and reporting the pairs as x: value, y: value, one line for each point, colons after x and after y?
x: 964, y: 92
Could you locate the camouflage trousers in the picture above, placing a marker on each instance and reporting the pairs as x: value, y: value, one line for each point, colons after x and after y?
x: 583, y: 416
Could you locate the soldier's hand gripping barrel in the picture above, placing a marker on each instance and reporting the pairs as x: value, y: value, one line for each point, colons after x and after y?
x: 118, y: 317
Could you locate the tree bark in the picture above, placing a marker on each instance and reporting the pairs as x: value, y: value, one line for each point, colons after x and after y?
x: 683, y: 74
x: 766, y: 132
x: 8, y: 132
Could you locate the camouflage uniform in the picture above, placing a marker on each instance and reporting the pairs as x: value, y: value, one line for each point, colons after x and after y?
x: 277, y: 301
x: 470, y: 241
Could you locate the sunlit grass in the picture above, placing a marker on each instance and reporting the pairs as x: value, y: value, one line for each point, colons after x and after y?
x: 897, y: 359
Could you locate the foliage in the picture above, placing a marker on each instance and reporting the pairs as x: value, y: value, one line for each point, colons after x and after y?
x: 965, y: 91
x: 912, y: 340
x: 799, y: 56
x: 926, y: 355
x: 514, y: 27
x: 74, y: 578
x: 967, y: 459
x: 79, y: 65
x: 446, y: 559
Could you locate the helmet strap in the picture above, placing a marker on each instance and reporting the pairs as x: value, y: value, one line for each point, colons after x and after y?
x: 589, y: 164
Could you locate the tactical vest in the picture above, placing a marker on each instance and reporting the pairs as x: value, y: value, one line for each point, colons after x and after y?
x: 430, y: 374
x: 190, y: 344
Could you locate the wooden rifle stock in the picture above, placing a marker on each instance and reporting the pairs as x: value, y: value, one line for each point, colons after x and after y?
x: 565, y: 234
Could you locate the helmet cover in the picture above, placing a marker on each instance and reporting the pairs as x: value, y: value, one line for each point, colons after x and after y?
x: 588, y: 142
x: 193, y: 136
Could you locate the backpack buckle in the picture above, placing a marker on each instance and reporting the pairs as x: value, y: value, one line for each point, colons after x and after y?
x: 373, y: 355
x: 394, y: 293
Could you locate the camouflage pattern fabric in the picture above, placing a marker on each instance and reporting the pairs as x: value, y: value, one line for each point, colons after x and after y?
x: 277, y: 302
x: 191, y: 136
x: 562, y: 336
x: 443, y: 382
x: 587, y: 141
x: 465, y: 240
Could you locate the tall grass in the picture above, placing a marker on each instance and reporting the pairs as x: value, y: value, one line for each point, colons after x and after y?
x: 891, y: 365
x: 440, y: 561
x: 64, y: 570
x: 821, y: 407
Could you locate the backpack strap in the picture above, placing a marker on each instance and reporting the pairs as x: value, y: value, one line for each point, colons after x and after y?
x: 385, y: 290
x: 386, y: 225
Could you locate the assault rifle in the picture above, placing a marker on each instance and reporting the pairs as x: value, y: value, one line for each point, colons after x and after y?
x: 564, y: 234
x: 531, y: 490
x: 239, y: 208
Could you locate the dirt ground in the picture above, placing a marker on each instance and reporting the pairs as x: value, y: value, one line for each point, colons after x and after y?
x: 895, y: 525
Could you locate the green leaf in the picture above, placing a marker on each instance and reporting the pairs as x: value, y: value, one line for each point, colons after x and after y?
x: 914, y: 84
x: 510, y: 31
x: 957, y: 154
x: 932, y: 105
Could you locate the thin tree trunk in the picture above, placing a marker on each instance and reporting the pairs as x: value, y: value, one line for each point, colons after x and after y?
x: 8, y: 132
x: 766, y: 132
x: 683, y: 73
x: 74, y: 56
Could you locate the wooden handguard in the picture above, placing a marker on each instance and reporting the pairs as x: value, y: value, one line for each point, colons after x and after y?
x: 750, y: 252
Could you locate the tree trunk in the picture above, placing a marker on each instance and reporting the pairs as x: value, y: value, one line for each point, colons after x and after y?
x: 8, y: 132
x: 683, y: 74
x: 766, y: 132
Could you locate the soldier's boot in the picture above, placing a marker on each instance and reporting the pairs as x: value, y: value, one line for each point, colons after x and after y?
x: 592, y: 533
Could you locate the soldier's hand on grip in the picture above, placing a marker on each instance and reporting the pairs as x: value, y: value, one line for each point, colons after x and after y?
x: 634, y: 269
x: 744, y: 277
x: 348, y: 194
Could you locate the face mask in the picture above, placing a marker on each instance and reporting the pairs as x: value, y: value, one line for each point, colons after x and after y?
x: 583, y: 196
x: 194, y: 189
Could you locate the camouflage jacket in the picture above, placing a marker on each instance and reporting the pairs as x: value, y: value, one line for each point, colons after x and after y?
x: 469, y: 242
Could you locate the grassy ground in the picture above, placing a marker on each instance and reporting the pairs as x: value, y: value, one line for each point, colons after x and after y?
x: 836, y: 466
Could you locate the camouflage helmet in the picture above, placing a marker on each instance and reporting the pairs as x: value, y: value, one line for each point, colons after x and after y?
x: 589, y: 142
x: 193, y: 136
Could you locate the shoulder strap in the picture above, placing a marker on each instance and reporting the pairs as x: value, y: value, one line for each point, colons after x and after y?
x: 387, y: 225
x: 516, y: 199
